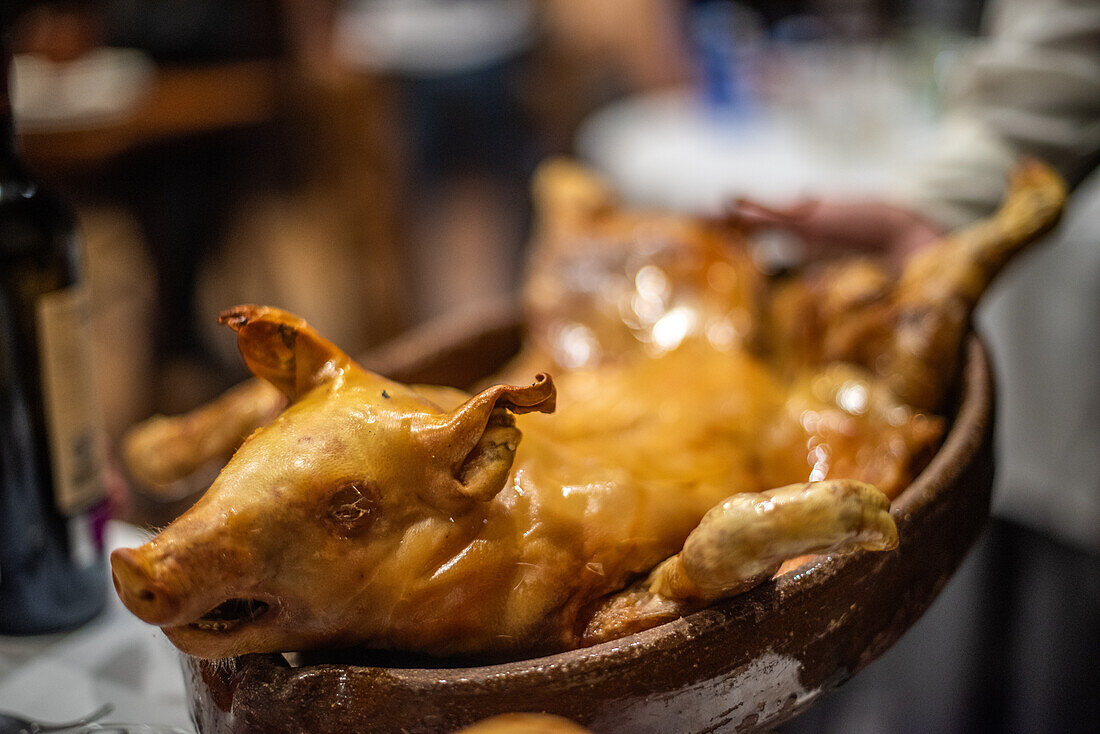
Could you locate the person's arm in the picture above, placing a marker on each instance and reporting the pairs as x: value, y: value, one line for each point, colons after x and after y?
x: 1031, y: 88
x: 831, y: 228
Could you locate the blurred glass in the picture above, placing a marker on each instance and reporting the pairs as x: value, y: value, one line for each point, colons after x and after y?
x: 838, y: 97
x: 841, y: 97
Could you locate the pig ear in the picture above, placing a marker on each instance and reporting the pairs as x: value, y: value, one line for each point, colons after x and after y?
x: 479, y: 439
x: 538, y: 397
x: 283, y: 349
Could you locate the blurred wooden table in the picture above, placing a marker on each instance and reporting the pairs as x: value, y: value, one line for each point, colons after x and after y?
x: 180, y: 101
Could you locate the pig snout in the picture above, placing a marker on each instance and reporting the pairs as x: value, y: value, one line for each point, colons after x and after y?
x: 149, y: 600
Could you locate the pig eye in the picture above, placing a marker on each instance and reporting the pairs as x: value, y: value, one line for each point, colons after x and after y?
x: 353, y: 508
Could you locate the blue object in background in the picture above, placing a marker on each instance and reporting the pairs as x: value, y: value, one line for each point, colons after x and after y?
x: 725, y: 38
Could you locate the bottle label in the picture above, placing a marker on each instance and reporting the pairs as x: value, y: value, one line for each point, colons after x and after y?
x: 68, y: 386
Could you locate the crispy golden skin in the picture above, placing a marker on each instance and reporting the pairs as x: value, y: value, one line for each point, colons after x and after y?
x: 524, y: 724
x: 603, y: 278
x: 375, y: 513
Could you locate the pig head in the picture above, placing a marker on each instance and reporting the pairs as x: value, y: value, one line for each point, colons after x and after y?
x: 318, y: 528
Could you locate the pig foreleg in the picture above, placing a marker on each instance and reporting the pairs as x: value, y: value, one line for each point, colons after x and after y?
x: 741, y: 543
x: 164, y: 451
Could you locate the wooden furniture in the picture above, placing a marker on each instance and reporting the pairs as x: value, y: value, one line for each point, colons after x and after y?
x: 180, y: 101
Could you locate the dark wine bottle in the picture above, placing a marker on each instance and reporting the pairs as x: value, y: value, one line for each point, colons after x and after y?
x: 52, y: 499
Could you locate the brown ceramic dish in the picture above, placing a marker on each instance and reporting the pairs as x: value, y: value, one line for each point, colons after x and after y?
x: 745, y: 664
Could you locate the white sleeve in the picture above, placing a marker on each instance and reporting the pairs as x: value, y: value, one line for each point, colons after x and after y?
x: 1031, y: 87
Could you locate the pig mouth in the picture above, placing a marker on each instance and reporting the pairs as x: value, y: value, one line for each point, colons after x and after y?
x: 231, y: 614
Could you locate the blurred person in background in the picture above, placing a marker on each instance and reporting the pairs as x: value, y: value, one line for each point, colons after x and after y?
x: 1011, y: 645
x: 487, y: 88
x: 468, y: 140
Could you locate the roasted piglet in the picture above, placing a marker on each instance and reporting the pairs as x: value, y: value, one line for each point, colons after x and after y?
x: 370, y: 512
x: 678, y: 456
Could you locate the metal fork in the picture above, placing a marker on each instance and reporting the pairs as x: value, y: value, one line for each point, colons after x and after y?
x: 14, y: 724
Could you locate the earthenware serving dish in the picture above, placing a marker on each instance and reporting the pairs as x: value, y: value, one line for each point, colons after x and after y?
x: 745, y: 664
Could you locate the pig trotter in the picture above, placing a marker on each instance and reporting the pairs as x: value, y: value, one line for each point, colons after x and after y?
x: 942, y: 284
x: 743, y: 541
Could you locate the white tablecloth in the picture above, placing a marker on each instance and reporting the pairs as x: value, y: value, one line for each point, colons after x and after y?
x: 114, y: 659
